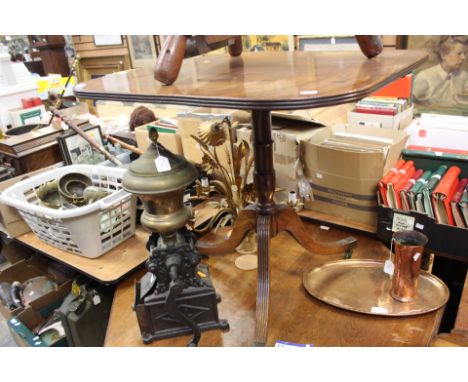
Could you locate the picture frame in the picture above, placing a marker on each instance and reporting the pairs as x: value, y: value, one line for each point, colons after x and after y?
x: 326, y: 43
x: 107, y: 40
x: 270, y: 43
x: 440, y: 85
x: 76, y: 150
x: 143, y: 50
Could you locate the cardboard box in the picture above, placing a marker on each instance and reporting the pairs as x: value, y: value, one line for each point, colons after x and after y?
x: 22, y: 327
x: 285, y: 154
x: 74, y: 111
x: 286, y: 134
x: 439, y: 131
x: 112, y: 109
x: 170, y: 139
x: 27, y: 269
x: 29, y: 116
x: 344, y: 182
x: 14, y: 251
x: 393, y: 122
x: 11, y: 221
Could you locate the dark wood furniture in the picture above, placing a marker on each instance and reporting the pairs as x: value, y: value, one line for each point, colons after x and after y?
x: 298, y: 317
x: 178, y: 47
x: 261, y: 82
x: 31, y: 151
x: 52, y: 52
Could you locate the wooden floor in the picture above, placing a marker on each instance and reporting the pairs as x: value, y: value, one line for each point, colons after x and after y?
x: 295, y: 316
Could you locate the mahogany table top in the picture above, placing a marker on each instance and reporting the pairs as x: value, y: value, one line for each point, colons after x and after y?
x: 261, y: 81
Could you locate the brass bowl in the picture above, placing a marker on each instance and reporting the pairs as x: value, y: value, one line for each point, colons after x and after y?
x: 71, y: 187
x: 49, y: 195
x: 92, y: 194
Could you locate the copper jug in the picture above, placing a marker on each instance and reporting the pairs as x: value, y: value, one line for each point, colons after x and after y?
x: 409, y: 249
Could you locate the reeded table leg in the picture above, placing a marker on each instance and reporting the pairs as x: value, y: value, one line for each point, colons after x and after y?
x: 264, y: 177
x: 269, y: 221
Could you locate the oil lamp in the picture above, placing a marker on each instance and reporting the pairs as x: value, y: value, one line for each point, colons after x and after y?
x: 175, y: 296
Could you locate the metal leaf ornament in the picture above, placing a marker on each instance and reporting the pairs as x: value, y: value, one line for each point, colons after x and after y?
x: 213, y: 134
x: 208, y: 164
x: 230, y: 180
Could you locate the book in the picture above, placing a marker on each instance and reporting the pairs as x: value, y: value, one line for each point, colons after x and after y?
x: 464, y: 206
x: 404, y: 190
x: 368, y: 110
x: 442, y: 195
x: 393, y: 190
x: 454, y: 204
x: 424, y: 197
x: 387, y: 177
x: 435, y: 152
x: 416, y: 189
x: 402, y: 87
x: 391, y: 197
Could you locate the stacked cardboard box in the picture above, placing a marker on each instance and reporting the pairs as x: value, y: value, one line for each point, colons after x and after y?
x: 27, y: 269
x: 343, y: 178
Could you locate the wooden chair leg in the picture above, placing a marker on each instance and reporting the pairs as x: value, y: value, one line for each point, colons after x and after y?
x: 215, y: 244
x: 235, y: 49
x: 170, y: 60
x: 371, y: 46
x: 288, y: 220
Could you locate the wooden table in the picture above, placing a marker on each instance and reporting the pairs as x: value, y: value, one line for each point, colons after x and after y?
x: 295, y: 315
x: 109, y: 268
x: 116, y: 264
x: 261, y: 82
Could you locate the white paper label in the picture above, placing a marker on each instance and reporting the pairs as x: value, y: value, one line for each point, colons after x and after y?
x: 388, y: 267
x: 308, y: 92
x: 292, y: 197
x: 419, y: 226
x: 162, y: 164
x: 96, y: 299
x: 402, y: 222
x: 379, y: 310
x: 205, y: 182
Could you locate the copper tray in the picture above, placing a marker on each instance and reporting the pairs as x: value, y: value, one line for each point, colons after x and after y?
x: 362, y: 286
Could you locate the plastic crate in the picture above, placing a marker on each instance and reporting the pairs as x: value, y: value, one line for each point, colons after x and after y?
x: 90, y: 230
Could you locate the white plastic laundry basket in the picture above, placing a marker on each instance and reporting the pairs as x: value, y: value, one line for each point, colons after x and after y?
x: 89, y: 231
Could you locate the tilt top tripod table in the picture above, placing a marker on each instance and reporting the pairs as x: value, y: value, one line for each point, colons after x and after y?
x: 262, y: 82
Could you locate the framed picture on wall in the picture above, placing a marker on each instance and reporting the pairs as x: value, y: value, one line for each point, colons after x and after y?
x: 260, y: 43
x: 142, y: 50
x: 104, y: 40
x: 326, y: 43
x: 76, y: 150
x: 441, y: 83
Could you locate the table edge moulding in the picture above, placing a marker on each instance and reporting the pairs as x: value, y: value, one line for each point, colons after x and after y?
x: 262, y: 82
